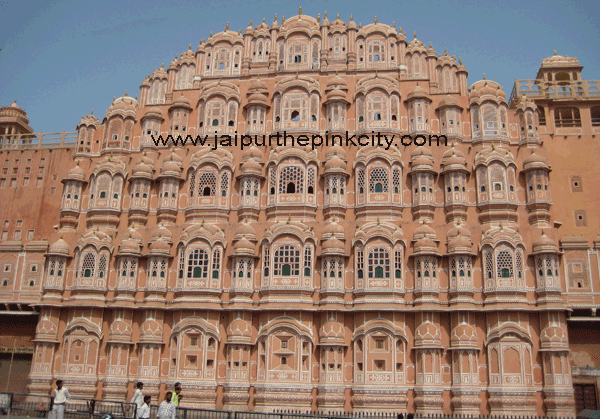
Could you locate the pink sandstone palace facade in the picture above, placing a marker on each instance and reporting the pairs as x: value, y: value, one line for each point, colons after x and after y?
x: 460, y: 278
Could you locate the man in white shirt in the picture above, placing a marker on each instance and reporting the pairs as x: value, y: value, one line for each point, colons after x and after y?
x: 166, y: 410
x: 138, y: 397
x: 61, y: 397
x: 144, y: 411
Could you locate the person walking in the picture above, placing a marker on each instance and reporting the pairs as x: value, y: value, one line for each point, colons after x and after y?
x: 144, y: 411
x: 166, y: 410
x: 61, y: 397
x: 138, y: 397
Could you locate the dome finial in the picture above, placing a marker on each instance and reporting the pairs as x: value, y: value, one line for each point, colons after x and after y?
x: 360, y: 26
x: 430, y: 46
x: 415, y: 34
x: 300, y: 10
x: 484, y: 76
x: 92, y: 114
x: 325, y: 15
x: 190, y: 47
x: 319, y: 18
x: 351, y: 18
x: 555, y: 53
x: 337, y: 17
x: 210, y: 34
x: 162, y: 65
x: 459, y: 60
x: 125, y: 92
x: 445, y: 51
x: 282, y: 20
x: 394, y: 25
x: 15, y: 101
x: 263, y: 21
x: 227, y: 26
x: 275, y: 20
x: 375, y: 20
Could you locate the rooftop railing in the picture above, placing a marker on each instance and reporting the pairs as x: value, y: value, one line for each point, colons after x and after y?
x: 40, y: 140
x: 558, y: 89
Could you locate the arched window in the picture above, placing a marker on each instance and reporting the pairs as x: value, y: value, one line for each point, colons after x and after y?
x: 291, y: 188
x: 295, y: 116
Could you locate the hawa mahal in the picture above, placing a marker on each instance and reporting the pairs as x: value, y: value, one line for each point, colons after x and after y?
x: 460, y: 278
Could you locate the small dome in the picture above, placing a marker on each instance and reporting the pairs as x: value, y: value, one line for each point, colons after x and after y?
x: 244, y: 244
x: 418, y: 93
x: 422, y: 161
x: 257, y: 99
x: 154, y: 113
x: 449, y: 101
x: 534, y: 160
x: 333, y: 229
x: 258, y: 85
x: 335, y: 150
x: 239, y: 331
x: 161, y: 232
x: 59, y: 248
x: 463, y: 336
x: 554, y: 337
x: 245, y: 230
x: 251, y: 167
x: 332, y: 332
x: 181, y: 102
x: 252, y: 152
x: 427, y: 334
x: 160, y: 246
x: 421, y: 150
x: 76, y: 173
x: 335, y: 163
x: 337, y: 82
x: 544, y: 244
x: 424, y: 230
x: 333, y: 245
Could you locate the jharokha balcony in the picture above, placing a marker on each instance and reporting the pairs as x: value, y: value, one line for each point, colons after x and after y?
x: 560, y: 89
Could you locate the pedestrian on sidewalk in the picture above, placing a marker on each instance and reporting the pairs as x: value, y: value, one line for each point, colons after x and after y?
x: 166, y: 410
x: 60, y: 398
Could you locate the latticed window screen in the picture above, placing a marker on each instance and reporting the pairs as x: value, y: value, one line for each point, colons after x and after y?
x: 216, y: 263
x: 311, y: 178
x: 197, y: 264
x: 286, y: 261
x: 272, y: 178
x: 490, y: 118
x: 519, y: 265
x: 361, y: 180
x: 497, y: 176
x: 192, y: 183
x: 207, y: 184
x: 102, y: 266
x: 266, y: 261
x: 215, y: 113
x: 396, y: 180
x: 504, y: 264
x: 88, y: 265
x: 360, y: 262
x: 577, y: 270
x: 489, y: 264
x: 181, y: 262
x: 294, y: 175
x: 307, y: 260
x: 224, y: 183
x: 379, y: 263
x: 398, y: 264
x: 378, y: 180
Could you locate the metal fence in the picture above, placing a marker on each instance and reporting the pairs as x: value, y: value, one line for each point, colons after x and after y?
x: 30, y: 406
x: 21, y: 406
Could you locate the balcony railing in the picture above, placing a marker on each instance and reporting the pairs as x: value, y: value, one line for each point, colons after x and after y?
x: 558, y: 89
x: 40, y: 140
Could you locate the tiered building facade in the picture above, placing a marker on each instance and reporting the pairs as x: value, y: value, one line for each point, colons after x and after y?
x: 344, y: 278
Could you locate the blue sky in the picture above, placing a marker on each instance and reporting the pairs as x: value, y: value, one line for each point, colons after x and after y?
x: 63, y: 58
